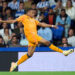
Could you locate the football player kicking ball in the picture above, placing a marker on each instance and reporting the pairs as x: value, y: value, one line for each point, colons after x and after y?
x: 30, y: 30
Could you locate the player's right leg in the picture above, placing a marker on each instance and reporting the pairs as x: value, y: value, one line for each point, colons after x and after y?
x: 31, y: 50
x: 53, y: 47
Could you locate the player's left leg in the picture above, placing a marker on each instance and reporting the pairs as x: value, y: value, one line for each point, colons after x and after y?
x: 26, y: 56
x: 53, y: 47
x: 31, y: 50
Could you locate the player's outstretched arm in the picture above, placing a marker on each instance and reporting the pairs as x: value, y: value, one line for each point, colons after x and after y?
x: 46, y: 25
x: 8, y: 21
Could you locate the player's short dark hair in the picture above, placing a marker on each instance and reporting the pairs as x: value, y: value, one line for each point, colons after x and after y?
x: 30, y: 9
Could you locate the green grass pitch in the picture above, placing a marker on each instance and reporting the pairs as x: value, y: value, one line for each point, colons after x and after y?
x: 37, y: 73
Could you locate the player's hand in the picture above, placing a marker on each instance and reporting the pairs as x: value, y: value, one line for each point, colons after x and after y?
x: 54, y: 26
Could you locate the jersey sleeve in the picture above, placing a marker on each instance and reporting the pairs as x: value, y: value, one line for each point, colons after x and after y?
x: 37, y: 22
x: 20, y: 19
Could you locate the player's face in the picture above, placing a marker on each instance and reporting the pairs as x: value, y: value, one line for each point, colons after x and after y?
x: 32, y: 13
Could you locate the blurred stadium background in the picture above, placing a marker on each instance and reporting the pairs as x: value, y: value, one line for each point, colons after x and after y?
x: 13, y: 40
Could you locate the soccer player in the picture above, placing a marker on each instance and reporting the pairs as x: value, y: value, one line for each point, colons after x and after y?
x: 30, y: 30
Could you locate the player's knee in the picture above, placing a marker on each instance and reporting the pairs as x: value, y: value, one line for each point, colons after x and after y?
x: 36, y: 43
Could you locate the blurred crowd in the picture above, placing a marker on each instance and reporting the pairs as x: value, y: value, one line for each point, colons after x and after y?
x: 53, y: 12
